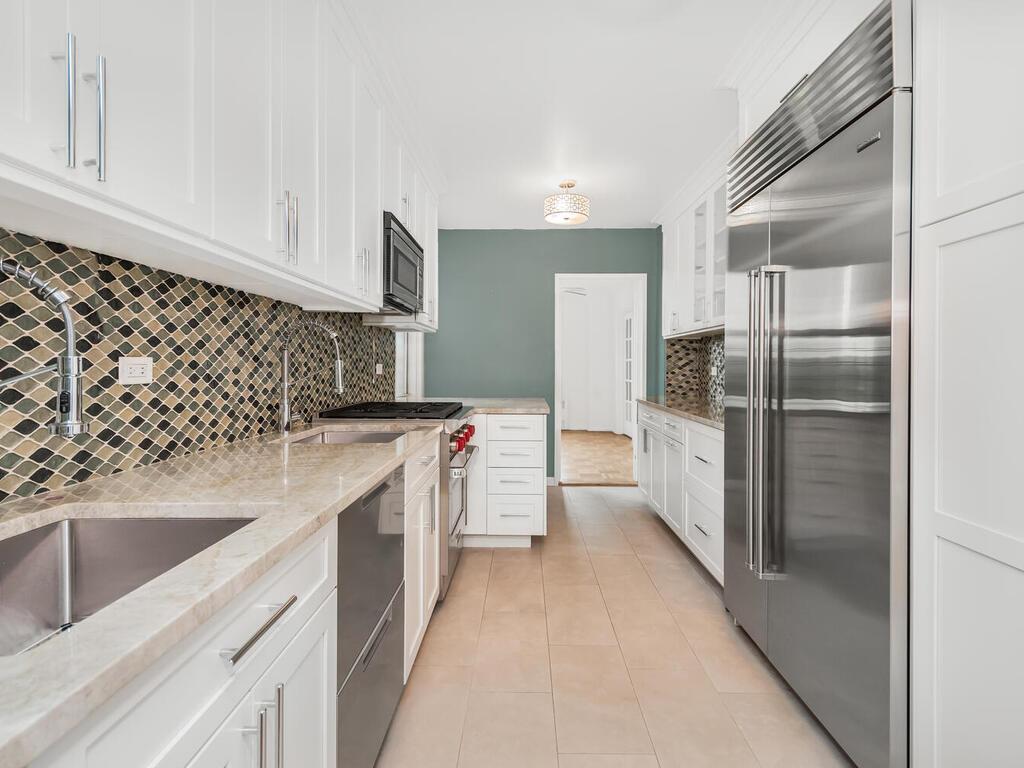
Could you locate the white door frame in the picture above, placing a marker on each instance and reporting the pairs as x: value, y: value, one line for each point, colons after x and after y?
x: 565, y: 280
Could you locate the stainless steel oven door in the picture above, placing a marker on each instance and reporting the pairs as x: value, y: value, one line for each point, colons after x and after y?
x: 458, y: 492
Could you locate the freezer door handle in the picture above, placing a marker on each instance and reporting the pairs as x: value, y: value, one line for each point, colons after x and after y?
x: 753, y: 278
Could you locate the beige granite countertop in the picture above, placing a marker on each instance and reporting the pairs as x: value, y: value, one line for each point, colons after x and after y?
x: 702, y: 414
x: 291, y: 489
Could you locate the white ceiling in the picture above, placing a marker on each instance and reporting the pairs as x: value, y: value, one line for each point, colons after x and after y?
x: 513, y: 96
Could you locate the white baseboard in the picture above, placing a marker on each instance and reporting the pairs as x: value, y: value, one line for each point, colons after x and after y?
x: 496, y: 542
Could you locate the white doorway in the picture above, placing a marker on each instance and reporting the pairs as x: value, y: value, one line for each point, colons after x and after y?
x: 600, y: 367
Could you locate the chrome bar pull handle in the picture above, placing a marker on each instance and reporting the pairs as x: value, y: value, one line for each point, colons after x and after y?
x: 286, y: 226
x: 295, y: 229
x: 260, y: 732
x: 761, y: 391
x: 279, y: 703
x: 101, y: 118
x: 751, y: 422
x: 70, y: 58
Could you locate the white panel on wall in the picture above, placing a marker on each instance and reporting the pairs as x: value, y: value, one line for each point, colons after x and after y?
x: 970, y: 116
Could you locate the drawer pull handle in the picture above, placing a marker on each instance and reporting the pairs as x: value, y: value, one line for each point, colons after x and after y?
x: 514, y: 426
x: 424, y: 460
x: 515, y: 514
x: 515, y: 453
x: 279, y: 702
x: 702, y: 459
x: 234, y: 655
x: 702, y: 529
x: 515, y: 482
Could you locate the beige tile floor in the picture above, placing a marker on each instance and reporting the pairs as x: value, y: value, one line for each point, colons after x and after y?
x: 596, y: 458
x: 604, y: 646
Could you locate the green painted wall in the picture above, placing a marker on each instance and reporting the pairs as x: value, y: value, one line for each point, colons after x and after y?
x: 497, y: 308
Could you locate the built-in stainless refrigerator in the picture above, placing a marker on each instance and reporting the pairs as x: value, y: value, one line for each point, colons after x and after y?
x: 816, y: 406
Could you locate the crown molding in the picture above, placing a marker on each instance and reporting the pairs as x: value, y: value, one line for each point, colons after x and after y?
x: 790, y: 22
x: 699, y: 182
x: 393, y: 90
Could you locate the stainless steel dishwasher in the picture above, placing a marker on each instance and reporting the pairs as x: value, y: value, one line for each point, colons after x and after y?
x: 371, y: 620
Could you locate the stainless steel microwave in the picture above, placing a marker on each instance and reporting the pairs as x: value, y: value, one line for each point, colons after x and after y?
x: 403, y: 268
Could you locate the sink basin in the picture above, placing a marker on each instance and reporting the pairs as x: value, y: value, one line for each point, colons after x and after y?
x: 53, y: 577
x: 337, y: 438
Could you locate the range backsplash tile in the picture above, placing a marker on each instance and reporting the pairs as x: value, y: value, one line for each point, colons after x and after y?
x: 216, y: 365
x: 688, y: 366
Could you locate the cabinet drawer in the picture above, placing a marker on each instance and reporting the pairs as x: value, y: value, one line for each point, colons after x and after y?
x: 515, y: 453
x: 650, y: 418
x: 515, y: 427
x: 703, y: 533
x: 672, y: 426
x: 417, y: 468
x: 515, y: 515
x: 705, y: 458
x: 515, y: 481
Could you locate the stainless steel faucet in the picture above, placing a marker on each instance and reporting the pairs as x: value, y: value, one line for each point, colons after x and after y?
x: 285, y: 412
x: 68, y: 420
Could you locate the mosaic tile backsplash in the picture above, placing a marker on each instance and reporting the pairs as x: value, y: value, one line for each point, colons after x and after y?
x: 216, y: 365
x: 688, y: 364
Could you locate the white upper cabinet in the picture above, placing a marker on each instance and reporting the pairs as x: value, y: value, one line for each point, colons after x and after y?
x: 368, y: 178
x: 34, y: 107
x: 430, y: 265
x: 694, y: 260
x: 246, y: 172
x: 244, y: 142
x: 968, y: 71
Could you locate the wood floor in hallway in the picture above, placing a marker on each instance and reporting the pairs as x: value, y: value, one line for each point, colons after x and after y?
x: 596, y: 458
x: 606, y: 645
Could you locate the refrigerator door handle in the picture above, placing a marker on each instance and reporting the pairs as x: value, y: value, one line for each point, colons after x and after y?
x: 753, y: 278
x: 763, y: 567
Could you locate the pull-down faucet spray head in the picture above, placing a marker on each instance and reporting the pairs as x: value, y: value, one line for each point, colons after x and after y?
x: 285, y: 409
x: 68, y: 420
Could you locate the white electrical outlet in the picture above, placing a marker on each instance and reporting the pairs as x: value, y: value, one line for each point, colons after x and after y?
x: 714, y: 370
x: 379, y: 369
x: 135, y: 370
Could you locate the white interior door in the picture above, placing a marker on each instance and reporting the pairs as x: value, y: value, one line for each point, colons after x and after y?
x: 575, y: 360
x: 629, y: 416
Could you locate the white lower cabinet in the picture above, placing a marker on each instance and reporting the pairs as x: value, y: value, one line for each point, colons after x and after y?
x: 507, y: 500
x: 680, y: 471
x: 291, y: 712
x: 195, y: 707
x: 422, y: 559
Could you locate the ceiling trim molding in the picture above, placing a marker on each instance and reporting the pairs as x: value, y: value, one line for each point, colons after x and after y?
x: 392, y: 89
x: 766, y: 50
x: 699, y: 182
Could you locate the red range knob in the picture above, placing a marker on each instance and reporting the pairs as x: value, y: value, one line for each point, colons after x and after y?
x: 461, y: 442
x: 471, y: 429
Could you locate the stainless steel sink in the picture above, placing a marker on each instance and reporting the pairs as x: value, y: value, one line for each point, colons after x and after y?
x: 53, y: 577
x: 337, y: 437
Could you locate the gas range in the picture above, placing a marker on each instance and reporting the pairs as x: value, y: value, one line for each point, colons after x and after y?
x: 454, y: 417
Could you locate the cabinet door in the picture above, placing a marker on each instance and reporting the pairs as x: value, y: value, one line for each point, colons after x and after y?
x: 431, y: 550
x: 247, y: 214
x: 476, y: 496
x: 236, y: 742
x: 656, y: 443
x: 343, y: 266
x: 303, y: 685
x: 968, y: 110
x: 430, y: 264
x: 682, y: 293
x: 299, y: 155
x: 643, y: 460
x: 674, y: 485
x: 409, y: 178
x: 156, y: 105
x: 368, y: 194
x: 718, y: 254
x: 391, y: 170
x: 413, y: 579
x: 669, y: 278
x: 698, y: 315
x: 34, y: 112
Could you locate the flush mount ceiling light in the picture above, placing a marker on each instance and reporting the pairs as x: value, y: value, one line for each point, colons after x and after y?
x: 566, y: 207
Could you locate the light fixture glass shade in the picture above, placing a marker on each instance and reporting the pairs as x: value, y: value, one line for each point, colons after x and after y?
x: 566, y: 207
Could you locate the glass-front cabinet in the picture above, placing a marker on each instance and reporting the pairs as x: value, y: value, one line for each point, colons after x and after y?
x: 695, y: 255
